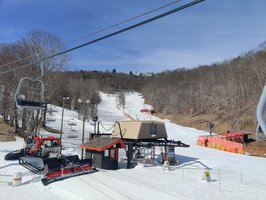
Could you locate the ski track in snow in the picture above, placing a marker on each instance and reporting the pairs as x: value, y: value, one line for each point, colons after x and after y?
x: 234, y: 176
x: 114, y: 193
x: 156, y: 192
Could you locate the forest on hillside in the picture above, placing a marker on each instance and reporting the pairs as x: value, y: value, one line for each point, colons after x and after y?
x: 225, y: 93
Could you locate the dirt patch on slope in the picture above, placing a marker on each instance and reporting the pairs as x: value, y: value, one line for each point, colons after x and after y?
x: 200, y: 122
x: 6, y: 132
x: 253, y: 147
x: 257, y: 148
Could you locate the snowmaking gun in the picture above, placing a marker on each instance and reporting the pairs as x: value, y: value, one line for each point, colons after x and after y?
x: 42, y: 156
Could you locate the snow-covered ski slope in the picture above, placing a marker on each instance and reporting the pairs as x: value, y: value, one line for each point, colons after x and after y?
x: 233, y: 176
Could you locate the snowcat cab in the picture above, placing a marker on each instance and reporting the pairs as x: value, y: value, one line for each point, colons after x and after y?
x: 43, y: 146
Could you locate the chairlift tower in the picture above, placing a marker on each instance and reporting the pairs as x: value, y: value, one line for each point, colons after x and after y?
x: 261, y: 127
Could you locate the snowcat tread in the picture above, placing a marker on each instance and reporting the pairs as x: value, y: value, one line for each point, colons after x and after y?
x: 30, y: 167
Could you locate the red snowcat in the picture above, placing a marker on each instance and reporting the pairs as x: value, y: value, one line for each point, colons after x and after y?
x: 42, y: 156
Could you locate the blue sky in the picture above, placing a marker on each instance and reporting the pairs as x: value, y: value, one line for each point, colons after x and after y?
x: 206, y: 33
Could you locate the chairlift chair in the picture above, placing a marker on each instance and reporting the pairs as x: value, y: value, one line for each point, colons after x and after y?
x: 51, y: 118
x: 72, y: 122
x: 20, y: 100
x: 26, y: 103
x: 72, y: 133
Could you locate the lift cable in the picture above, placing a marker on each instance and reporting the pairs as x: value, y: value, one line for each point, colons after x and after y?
x: 103, y: 29
x: 125, y: 21
x: 16, y: 61
x: 127, y: 28
x: 116, y: 32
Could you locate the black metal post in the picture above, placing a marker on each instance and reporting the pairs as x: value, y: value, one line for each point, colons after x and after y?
x: 165, y: 151
x: 44, y: 115
x: 16, y: 121
x: 129, y: 155
x: 61, y: 129
x: 98, y: 127
x: 83, y: 130
x: 95, y: 127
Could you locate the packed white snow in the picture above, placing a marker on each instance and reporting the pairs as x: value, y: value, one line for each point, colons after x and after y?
x: 233, y: 176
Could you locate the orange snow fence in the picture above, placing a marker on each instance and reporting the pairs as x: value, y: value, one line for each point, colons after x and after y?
x: 233, y: 136
x: 202, y: 141
x: 221, y: 143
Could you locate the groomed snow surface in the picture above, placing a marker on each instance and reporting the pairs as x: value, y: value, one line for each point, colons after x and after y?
x: 233, y: 176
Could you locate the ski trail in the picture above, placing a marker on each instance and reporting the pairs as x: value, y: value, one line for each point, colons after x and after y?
x: 104, y: 189
x: 156, y: 192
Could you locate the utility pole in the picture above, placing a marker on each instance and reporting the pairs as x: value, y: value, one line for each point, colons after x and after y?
x: 62, y: 120
x: 83, y: 127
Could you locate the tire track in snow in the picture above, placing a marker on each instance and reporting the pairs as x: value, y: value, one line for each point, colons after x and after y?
x: 103, y: 189
x: 108, y: 186
x: 95, y: 188
x: 144, y: 183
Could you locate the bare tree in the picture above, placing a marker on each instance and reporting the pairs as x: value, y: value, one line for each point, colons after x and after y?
x: 43, y: 44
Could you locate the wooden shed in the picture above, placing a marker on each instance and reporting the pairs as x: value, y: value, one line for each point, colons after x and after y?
x: 139, y: 130
x: 103, y: 151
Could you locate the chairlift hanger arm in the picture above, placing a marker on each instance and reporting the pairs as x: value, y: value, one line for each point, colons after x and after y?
x: 41, y: 65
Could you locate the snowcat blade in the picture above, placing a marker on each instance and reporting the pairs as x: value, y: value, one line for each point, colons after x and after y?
x: 67, y: 173
x: 65, y: 167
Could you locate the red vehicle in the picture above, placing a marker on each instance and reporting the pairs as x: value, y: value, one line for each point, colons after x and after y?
x: 42, y: 156
x: 144, y: 110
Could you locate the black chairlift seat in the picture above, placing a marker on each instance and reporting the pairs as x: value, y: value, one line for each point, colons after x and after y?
x: 31, y: 104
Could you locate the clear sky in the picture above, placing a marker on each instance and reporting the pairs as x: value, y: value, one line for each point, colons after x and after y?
x: 206, y: 33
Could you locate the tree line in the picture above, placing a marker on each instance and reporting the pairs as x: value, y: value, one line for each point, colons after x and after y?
x: 229, y: 90
x: 24, y: 53
x: 58, y: 83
